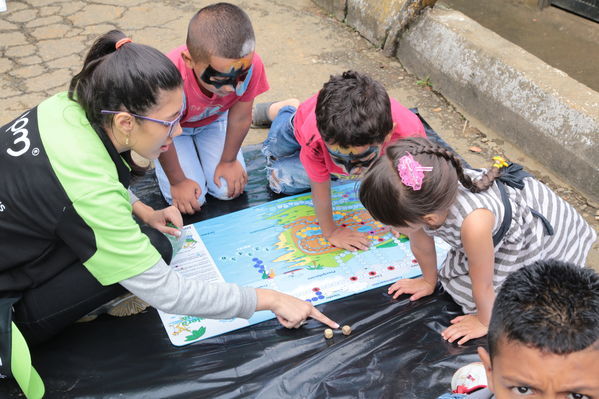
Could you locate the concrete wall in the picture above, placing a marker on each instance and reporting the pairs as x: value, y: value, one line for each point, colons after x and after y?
x: 549, y: 115
x: 336, y: 8
x: 374, y: 19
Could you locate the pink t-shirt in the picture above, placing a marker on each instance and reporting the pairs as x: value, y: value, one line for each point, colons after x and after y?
x: 313, y: 153
x: 202, y: 110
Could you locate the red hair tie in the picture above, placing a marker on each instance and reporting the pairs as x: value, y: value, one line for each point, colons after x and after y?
x: 121, y: 42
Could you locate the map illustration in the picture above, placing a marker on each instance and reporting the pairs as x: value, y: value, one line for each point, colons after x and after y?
x: 279, y: 245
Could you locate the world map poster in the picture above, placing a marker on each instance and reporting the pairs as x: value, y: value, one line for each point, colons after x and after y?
x: 279, y: 245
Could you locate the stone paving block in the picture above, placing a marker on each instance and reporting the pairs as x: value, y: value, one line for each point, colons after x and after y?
x: 156, y: 17
x: 57, y: 48
x: 50, y: 32
x: 48, y: 10
x: 89, y: 15
x: 20, y: 51
x: 13, y: 39
x: 6, y: 65
x: 73, y: 60
x: 52, y: 19
x: 28, y: 72
x: 49, y: 81
x: 34, y: 59
x: 6, y: 25
x: 21, y: 16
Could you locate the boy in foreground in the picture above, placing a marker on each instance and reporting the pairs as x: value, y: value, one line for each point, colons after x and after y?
x: 544, y: 335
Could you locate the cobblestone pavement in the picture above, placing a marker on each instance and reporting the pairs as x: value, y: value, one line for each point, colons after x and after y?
x: 42, y: 44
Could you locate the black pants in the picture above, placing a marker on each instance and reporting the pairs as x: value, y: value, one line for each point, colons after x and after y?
x: 45, y: 310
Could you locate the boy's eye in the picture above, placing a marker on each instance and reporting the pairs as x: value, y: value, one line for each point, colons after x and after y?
x: 522, y: 390
x: 577, y: 396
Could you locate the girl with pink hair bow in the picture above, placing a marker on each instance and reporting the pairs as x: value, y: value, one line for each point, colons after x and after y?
x: 496, y: 221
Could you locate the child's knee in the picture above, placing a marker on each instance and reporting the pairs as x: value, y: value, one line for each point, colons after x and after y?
x: 282, y: 183
x: 294, y: 102
x: 222, y: 192
x: 273, y: 181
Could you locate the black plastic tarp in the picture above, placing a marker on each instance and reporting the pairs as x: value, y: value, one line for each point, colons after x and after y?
x: 394, y: 351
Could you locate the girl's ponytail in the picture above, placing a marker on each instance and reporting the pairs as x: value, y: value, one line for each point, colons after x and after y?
x: 476, y: 186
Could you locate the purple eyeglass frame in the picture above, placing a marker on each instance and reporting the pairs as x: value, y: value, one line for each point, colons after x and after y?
x: 169, y: 124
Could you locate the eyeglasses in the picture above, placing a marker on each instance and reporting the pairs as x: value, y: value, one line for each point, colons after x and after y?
x: 351, y: 161
x: 169, y: 124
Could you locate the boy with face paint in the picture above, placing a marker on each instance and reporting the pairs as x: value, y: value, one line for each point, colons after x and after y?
x: 222, y: 75
x: 544, y: 335
x: 337, y: 132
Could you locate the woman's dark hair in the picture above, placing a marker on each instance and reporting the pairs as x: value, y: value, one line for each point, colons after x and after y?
x: 353, y: 110
x: 129, y: 78
x: 552, y: 306
x: 393, y: 203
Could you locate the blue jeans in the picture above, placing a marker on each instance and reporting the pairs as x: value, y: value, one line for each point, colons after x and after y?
x: 284, y: 171
x: 199, y: 150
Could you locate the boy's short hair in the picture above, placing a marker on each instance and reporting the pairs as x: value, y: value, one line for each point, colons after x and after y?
x: 222, y: 30
x: 353, y: 109
x: 550, y: 305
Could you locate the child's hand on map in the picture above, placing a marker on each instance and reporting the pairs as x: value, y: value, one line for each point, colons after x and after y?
x: 466, y: 327
x: 418, y: 287
x: 290, y: 311
x: 351, y: 240
x: 160, y: 220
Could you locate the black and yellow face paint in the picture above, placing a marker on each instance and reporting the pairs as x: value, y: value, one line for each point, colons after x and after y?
x: 349, y: 160
x: 239, y: 77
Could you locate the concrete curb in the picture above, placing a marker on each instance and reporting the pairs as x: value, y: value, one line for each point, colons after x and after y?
x: 540, y: 109
x: 549, y: 115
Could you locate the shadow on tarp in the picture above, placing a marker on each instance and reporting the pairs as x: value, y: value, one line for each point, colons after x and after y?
x: 394, y: 351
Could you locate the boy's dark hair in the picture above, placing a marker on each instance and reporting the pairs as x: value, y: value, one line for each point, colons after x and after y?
x: 353, y: 109
x: 129, y: 78
x: 393, y: 203
x: 552, y: 306
x: 222, y: 30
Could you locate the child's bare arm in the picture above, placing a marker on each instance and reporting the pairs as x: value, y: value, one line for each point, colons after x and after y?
x: 185, y: 192
x: 477, y: 239
x: 423, y: 248
x: 229, y: 168
x: 341, y: 237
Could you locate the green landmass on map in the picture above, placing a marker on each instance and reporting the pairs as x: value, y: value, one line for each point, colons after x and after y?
x: 316, y: 253
x: 196, y: 334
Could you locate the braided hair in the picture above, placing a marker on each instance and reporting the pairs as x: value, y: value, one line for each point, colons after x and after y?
x: 393, y: 203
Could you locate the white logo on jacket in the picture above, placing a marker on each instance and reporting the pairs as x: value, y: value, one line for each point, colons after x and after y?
x: 22, y: 142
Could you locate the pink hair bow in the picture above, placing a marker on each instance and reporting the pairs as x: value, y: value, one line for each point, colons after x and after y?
x: 411, y: 172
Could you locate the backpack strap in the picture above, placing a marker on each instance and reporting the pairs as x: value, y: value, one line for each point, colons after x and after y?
x: 507, y: 215
x: 513, y: 175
